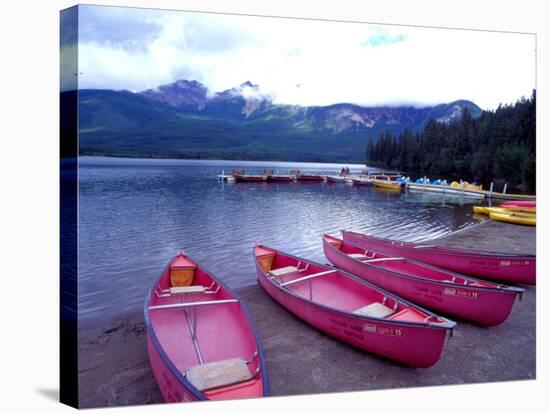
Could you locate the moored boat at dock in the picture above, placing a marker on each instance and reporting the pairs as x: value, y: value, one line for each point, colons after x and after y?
x: 310, y: 177
x: 462, y: 191
x: 361, y: 181
x: 280, y: 177
x: 331, y: 179
x: 388, y: 185
x: 273, y: 177
x: 247, y: 178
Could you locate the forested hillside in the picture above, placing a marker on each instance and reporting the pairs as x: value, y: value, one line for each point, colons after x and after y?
x: 186, y: 120
x: 498, y: 146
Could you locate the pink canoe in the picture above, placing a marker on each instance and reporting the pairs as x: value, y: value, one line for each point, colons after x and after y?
x: 201, y: 340
x: 483, y: 302
x: 351, y: 309
x: 519, y: 204
x: 510, y: 268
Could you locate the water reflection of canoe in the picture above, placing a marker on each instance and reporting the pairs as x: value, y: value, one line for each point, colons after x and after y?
x: 201, y: 340
x: 351, y: 309
x: 511, y: 268
x: 483, y: 302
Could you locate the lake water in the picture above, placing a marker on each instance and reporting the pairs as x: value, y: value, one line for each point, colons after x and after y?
x: 136, y: 214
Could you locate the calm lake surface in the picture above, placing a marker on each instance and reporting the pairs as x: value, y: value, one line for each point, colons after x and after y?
x: 136, y: 214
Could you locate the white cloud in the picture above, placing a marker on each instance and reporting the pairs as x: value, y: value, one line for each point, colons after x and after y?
x: 310, y: 62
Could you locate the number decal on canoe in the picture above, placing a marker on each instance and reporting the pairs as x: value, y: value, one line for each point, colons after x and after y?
x: 382, y: 330
x: 460, y: 292
x: 514, y: 262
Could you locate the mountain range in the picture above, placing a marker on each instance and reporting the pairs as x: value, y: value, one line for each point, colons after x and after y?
x: 184, y: 119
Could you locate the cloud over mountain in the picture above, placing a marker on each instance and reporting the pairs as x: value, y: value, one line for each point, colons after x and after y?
x: 303, y: 62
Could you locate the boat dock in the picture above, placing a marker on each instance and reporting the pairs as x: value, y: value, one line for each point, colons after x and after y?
x: 115, y: 370
x: 225, y: 177
x: 381, y: 180
x: 466, y: 192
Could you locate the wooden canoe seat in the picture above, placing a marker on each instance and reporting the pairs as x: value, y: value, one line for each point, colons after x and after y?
x: 180, y: 290
x: 218, y: 374
x: 375, y: 309
x: 357, y: 256
x: 284, y: 271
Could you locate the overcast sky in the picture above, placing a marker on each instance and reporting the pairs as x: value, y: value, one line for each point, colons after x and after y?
x: 300, y: 61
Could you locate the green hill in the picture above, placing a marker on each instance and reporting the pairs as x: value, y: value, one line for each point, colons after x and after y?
x: 122, y: 123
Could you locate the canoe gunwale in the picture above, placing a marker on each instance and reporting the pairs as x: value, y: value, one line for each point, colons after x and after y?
x: 457, y: 252
x: 168, y: 362
x: 447, y: 325
x: 496, y: 288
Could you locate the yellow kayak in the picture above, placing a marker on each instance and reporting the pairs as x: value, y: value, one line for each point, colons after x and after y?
x: 390, y: 185
x: 514, y: 218
x: 500, y: 210
x: 531, y: 210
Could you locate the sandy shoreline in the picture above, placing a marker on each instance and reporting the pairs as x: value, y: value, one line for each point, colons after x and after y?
x: 114, y: 367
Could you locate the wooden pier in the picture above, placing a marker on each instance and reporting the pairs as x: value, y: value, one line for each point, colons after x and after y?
x: 465, y: 192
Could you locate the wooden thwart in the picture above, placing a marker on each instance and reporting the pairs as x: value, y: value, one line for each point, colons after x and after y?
x: 284, y: 271
x: 178, y: 290
x: 383, y: 259
x: 358, y: 256
x: 300, y: 279
x: 193, y: 304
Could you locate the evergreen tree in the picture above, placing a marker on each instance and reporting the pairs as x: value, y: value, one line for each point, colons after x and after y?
x: 499, y: 146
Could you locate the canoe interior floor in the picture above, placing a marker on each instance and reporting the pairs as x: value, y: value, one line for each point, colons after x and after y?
x: 212, y: 323
x: 337, y: 291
